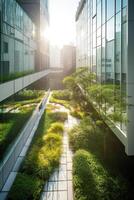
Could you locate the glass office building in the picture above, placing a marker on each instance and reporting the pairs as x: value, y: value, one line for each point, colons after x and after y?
x: 105, y: 41
x: 17, y: 35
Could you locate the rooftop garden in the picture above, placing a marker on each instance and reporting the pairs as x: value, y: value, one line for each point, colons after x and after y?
x: 14, y: 114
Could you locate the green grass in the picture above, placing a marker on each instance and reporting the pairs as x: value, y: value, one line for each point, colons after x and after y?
x: 62, y: 95
x: 12, y: 123
x: 93, y: 182
x: 56, y: 127
x: 10, y: 128
x: 16, y: 75
x: 41, y: 160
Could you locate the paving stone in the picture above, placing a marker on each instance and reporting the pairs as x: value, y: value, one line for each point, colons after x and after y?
x: 63, y: 160
x: 52, y: 186
x: 9, y: 182
x: 70, y: 190
x: 69, y: 175
x: 17, y: 164
x: 62, y: 176
x: 49, y: 196
x: 62, y: 185
x: 54, y: 176
x: 62, y: 195
x: 69, y: 166
x: 63, y: 167
x: 69, y: 159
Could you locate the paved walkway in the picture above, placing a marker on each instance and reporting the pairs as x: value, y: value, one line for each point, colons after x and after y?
x: 59, y: 186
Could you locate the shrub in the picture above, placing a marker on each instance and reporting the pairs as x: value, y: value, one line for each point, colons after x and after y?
x: 25, y: 187
x: 93, y: 182
x: 86, y: 136
x: 76, y: 114
x: 62, y: 95
x: 58, y: 116
x: 56, y: 127
x: 42, y: 160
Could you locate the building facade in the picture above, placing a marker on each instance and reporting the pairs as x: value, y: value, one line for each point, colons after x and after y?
x: 68, y: 59
x: 105, y: 45
x: 17, y: 40
x: 24, y: 48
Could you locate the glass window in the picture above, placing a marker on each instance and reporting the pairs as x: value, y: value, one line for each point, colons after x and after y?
x: 103, y: 60
x: 118, y: 5
x: 103, y: 11
x: 124, y: 3
x: 99, y: 63
x: 94, y: 24
x: 110, y: 8
x: 98, y: 15
x: 94, y: 7
x: 94, y: 60
x: 103, y: 31
x: 94, y: 40
x: 118, y: 48
x: 110, y: 29
x: 5, y: 46
x: 124, y: 15
x: 110, y: 62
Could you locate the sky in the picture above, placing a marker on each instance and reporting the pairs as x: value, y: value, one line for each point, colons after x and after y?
x: 62, y: 21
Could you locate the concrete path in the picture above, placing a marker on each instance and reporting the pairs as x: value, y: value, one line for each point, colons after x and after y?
x: 59, y: 186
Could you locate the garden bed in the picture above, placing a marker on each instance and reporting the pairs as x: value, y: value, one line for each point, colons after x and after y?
x: 42, y: 158
x: 14, y: 115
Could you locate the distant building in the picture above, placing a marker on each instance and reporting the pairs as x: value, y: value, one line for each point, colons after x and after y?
x: 55, y: 56
x: 68, y: 59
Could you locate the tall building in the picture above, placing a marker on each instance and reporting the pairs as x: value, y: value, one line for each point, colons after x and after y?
x: 24, y: 48
x: 68, y: 59
x: 105, y: 44
x: 55, y: 56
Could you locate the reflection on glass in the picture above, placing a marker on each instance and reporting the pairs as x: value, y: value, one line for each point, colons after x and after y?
x: 124, y: 72
x: 118, y: 5
x: 103, y: 11
x: 110, y: 8
x: 110, y: 29
x: 124, y: 3
x: 94, y: 7
x: 103, y: 60
x: 99, y: 15
x: 110, y: 62
x: 99, y: 63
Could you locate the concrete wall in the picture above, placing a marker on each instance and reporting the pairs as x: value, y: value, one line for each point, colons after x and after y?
x: 11, y: 87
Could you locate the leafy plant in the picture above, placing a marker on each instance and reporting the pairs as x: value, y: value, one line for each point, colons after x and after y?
x: 56, y: 127
x: 100, y: 185
x: 25, y: 188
